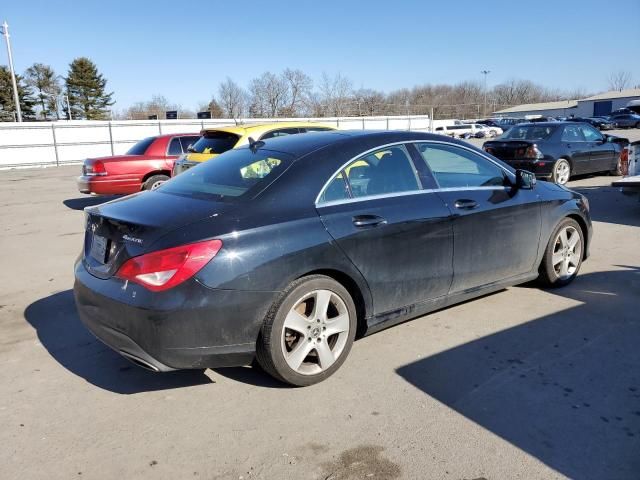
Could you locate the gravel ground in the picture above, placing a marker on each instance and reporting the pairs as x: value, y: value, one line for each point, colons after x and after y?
x: 523, y: 383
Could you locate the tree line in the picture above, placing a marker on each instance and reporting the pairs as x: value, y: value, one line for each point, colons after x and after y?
x: 290, y: 93
x: 44, y: 95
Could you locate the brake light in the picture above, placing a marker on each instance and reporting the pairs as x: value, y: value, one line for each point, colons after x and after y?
x: 95, y: 168
x: 533, y: 152
x: 488, y: 150
x: 164, y: 269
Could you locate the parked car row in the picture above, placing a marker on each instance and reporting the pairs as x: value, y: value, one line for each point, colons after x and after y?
x: 153, y: 160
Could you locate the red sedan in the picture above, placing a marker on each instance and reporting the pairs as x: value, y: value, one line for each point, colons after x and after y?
x: 147, y: 164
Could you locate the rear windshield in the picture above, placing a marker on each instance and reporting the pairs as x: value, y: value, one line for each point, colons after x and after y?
x: 141, y: 147
x: 215, y: 142
x: 235, y: 175
x: 531, y: 132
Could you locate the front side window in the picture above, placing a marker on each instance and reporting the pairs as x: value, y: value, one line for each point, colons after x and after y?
x: 455, y: 167
x: 590, y: 133
x: 389, y: 170
x: 237, y: 174
x: 215, y: 142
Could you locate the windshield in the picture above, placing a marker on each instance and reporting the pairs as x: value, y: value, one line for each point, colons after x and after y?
x: 235, y: 174
x: 141, y: 147
x: 531, y: 132
x: 215, y: 142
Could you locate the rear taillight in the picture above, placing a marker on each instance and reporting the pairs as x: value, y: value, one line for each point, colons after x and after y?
x: 488, y: 150
x: 533, y: 152
x: 94, y: 168
x: 165, y: 269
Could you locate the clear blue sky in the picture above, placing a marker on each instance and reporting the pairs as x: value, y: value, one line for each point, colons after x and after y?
x: 183, y: 49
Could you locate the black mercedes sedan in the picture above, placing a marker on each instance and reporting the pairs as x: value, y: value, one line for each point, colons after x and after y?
x: 288, y: 249
x: 557, y: 150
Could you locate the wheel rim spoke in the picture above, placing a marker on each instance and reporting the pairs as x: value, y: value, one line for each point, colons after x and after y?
x: 322, y: 299
x: 325, y: 355
x: 296, y: 321
x: 557, y: 258
x: 337, y: 324
x: 573, y: 240
x: 563, y: 238
x: 299, y: 353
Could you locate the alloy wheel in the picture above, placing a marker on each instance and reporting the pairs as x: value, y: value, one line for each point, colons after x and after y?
x: 315, y: 332
x: 562, y: 171
x: 567, y: 252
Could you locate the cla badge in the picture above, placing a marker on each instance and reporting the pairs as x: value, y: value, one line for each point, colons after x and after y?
x: 132, y: 239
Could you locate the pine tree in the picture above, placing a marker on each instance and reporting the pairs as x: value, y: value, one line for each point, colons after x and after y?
x: 86, y: 91
x: 43, y: 79
x: 7, y: 105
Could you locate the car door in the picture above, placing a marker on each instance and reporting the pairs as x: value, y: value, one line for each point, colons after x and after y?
x: 575, y: 145
x: 396, y: 233
x: 601, y: 153
x: 496, y: 227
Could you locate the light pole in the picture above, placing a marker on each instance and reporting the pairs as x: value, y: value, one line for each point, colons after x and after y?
x: 16, y: 98
x: 485, y: 73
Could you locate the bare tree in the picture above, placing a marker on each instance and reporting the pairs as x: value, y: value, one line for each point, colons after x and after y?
x: 269, y: 95
x: 232, y: 99
x: 619, y: 80
x: 299, y: 86
x: 335, y: 95
x: 158, y: 105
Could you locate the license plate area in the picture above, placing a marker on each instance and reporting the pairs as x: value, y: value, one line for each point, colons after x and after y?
x: 99, y: 248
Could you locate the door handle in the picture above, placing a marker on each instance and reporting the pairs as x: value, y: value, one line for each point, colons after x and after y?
x: 465, y: 204
x: 368, y: 220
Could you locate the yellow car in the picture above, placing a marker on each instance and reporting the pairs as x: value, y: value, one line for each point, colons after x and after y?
x: 214, y: 141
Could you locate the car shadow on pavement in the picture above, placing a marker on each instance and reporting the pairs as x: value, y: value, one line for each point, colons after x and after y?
x: 564, y: 388
x: 60, y: 331
x: 88, y: 201
x: 609, y: 205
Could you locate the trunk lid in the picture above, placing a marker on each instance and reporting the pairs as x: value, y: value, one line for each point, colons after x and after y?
x: 123, y: 228
x: 508, y: 149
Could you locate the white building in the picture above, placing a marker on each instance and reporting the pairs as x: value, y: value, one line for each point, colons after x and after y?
x: 597, y: 105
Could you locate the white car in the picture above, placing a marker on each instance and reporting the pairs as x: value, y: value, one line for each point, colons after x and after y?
x: 467, y: 130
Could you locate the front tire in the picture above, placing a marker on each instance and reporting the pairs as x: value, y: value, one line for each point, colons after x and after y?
x: 308, y: 332
x: 154, y: 181
x: 563, y: 256
x: 561, y: 171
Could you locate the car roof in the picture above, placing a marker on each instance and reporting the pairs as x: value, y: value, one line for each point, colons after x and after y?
x: 300, y: 145
x: 258, y: 128
x: 167, y: 135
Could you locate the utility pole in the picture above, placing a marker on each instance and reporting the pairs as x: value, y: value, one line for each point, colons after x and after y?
x: 485, y: 73
x: 16, y: 98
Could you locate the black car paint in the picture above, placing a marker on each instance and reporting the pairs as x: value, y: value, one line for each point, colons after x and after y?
x: 398, y: 270
x: 584, y: 157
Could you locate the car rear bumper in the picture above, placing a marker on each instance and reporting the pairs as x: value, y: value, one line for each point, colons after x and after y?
x: 541, y: 168
x: 189, y: 326
x: 105, y: 184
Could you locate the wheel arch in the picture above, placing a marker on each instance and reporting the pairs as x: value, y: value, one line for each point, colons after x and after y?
x: 355, y: 290
x: 150, y: 174
x: 585, y: 231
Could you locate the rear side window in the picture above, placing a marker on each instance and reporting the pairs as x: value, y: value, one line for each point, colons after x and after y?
x: 141, y: 147
x: 572, y: 133
x: 385, y: 171
x: 234, y: 175
x: 186, y: 141
x: 455, y: 167
x: 215, y: 142
x: 174, y: 147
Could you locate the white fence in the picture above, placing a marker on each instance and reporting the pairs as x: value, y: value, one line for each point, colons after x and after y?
x: 57, y: 143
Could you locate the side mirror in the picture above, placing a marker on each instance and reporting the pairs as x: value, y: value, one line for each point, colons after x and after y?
x: 525, y: 180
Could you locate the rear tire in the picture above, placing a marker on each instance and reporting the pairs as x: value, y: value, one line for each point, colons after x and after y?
x: 308, y: 332
x: 154, y: 181
x: 561, y: 171
x: 563, y: 256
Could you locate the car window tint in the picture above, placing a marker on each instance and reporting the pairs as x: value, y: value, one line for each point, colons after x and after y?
x: 530, y: 133
x: 174, y: 147
x: 590, y: 133
x: 389, y: 170
x: 572, y: 133
x: 455, y: 167
x: 336, y: 189
x: 280, y: 133
x: 186, y: 141
x: 214, y: 142
x: 141, y: 147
